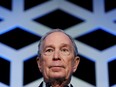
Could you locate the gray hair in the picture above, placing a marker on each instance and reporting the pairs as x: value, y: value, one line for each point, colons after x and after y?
x: 56, y: 30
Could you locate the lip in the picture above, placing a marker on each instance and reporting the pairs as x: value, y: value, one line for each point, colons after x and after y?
x: 56, y: 67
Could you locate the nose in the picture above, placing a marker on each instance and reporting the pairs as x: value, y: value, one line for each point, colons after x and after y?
x: 56, y: 55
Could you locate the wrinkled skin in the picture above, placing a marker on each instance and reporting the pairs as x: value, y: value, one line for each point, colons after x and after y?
x: 57, y: 68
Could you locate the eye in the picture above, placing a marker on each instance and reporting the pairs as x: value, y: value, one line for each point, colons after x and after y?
x: 64, y: 50
x: 49, y: 50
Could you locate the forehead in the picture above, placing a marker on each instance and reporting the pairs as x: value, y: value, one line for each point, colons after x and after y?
x: 57, y: 38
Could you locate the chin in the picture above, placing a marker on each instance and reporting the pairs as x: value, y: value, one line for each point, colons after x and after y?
x: 58, y: 76
x: 57, y: 79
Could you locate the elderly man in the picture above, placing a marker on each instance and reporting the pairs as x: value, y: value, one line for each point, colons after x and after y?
x: 57, y: 59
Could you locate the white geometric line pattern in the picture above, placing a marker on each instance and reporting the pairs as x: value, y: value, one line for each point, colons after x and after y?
x: 3, y: 85
x: 19, y: 17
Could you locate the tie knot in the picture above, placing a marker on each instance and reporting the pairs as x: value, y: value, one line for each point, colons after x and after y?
x: 49, y: 85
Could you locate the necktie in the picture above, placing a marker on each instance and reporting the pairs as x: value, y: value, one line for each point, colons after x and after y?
x: 48, y: 85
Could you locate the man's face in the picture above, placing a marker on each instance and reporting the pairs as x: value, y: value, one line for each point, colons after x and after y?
x: 57, y: 57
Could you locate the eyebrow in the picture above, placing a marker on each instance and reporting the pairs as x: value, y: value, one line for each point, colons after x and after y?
x: 49, y: 46
x: 65, y: 45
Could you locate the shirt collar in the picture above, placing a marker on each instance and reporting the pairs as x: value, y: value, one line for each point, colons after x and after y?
x: 44, y: 84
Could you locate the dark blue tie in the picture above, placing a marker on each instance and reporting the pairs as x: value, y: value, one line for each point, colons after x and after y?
x: 48, y: 85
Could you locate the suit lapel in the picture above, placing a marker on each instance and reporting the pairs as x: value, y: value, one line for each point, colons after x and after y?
x: 71, y: 85
x: 41, y: 85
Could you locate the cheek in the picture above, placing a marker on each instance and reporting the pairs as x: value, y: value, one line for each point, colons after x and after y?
x: 45, y: 63
x: 69, y: 66
x: 44, y: 69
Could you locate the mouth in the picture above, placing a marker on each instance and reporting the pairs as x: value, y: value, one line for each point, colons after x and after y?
x: 56, y: 68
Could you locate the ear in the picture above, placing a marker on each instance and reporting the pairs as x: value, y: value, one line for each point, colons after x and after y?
x: 39, y: 63
x: 76, y: 63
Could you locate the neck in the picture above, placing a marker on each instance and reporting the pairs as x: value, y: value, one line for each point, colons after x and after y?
x: 58, y: 82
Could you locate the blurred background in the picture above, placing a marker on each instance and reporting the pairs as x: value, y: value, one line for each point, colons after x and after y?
x: 92, y: 24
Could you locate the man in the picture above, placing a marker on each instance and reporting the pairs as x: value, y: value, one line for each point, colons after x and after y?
x: 57, y: 59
